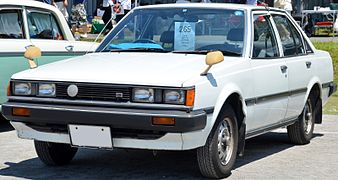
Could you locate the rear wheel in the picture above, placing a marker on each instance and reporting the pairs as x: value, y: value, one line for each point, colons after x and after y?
x: 301, y: 132
x: 217, y: 158
x: 54, y: 153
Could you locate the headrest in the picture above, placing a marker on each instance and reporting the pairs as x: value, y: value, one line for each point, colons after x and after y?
x: 167, y: 37
x: 236, y: 34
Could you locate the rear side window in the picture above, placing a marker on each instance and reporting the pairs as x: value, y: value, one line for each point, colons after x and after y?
x: 264, y: 44
x: 11, y: 24
x: 43, y: 26
x: 291, y: 39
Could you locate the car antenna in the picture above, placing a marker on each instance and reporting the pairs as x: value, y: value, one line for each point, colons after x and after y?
x: 103, y: 29
x: 266, y: 6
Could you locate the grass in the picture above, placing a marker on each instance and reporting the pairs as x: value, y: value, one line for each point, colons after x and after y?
x: 331, y: 106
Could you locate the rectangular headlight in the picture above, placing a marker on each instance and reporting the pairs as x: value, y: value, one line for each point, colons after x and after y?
x: 143, y: 95
x: 23, y: 88
x: 46, y: 89
x: 174, y: 96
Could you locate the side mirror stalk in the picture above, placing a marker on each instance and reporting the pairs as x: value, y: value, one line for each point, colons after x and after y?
x: 205, y: 72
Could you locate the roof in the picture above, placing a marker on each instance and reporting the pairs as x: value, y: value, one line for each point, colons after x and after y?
x: 204, y: 5
x: 29, y: 3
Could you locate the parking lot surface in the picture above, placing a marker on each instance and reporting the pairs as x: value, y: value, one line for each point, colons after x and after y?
x: 270, y: 156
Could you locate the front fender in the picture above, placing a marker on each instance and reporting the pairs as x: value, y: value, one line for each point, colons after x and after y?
x: 227, y: 90
x: 224, y: 94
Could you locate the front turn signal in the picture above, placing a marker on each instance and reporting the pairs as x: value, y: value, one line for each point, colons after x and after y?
x: 190, y: 98
x: 166, y: 121
x: 9, y: 89
x: 16, y: 111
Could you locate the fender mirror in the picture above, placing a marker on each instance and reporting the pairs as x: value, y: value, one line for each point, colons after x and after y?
x: 211, y: 59
x: 32, y: 52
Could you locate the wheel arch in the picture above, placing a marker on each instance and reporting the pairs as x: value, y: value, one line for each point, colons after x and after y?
x: 314, y: 91
x: 232, y: 95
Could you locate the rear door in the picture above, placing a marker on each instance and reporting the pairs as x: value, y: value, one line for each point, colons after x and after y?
x: 298, y: 61
x: 270, y: 76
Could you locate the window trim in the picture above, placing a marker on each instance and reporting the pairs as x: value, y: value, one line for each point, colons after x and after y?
x: 20, y: 12
x: 264, y: 13
x: 297, y: 29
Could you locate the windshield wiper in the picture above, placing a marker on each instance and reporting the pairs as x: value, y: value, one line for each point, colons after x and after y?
x: 139, y: 50
x: 226, y: 53
x: 192, y: 52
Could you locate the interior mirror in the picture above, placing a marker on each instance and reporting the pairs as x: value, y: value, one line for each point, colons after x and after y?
x: 211, y: 59
x: 32, y: 52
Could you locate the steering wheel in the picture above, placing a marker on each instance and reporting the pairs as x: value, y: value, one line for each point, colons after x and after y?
x: 145, y: 41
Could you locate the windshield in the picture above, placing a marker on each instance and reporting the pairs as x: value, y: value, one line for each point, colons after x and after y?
x: 180, y: 30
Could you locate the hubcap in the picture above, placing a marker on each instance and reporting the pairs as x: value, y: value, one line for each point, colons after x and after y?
x: 225, y: 142
x: 307, y: 118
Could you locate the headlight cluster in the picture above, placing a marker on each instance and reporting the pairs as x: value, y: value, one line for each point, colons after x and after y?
x: 24, y: 89
x: 167, y: 96
x: 143, y: 95
x: 33, y: 89
x: 175, y: 96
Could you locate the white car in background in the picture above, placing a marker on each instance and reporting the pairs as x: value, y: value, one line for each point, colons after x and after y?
x: 24, y: 23
x: 178, y: 77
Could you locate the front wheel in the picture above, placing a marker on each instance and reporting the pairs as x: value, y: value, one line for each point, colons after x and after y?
x: 217, y: 158
x: 54, y: 153
x: 301, y: 132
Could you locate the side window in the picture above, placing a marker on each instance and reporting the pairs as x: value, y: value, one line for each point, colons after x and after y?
x: 308, y: 47
x: 264, y: 44
x: 11, y: 24
x: 291, y: 39
x: 43, y: 26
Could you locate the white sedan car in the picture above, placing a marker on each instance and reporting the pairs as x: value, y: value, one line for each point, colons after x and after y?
x: 178, y: 77
x: 24, y: 23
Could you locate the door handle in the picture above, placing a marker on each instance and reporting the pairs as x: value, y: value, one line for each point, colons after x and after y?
x: 69, y: 48
x: 308, y: 64
x: 283, y: 68
x: 26, y: 47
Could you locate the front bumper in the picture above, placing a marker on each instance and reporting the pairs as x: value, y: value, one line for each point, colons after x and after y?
x: 137, y: 119
x: 130, y: 128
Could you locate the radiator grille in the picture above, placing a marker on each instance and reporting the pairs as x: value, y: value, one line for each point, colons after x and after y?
x: 96, y: 92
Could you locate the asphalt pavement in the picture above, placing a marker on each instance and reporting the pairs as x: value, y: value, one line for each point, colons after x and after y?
x: 270, y: 156
x: 324, y: 39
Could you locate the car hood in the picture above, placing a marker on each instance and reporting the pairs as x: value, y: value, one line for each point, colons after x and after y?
x: 158, y: 69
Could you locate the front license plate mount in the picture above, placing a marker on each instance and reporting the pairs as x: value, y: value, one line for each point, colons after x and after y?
x: 90, y: 136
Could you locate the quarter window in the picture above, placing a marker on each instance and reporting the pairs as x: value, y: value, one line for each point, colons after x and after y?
x: 308, y: 48
x: 43, y: 26
x: 11, y: 24
x: 264, y: 44
x: 291, y: 39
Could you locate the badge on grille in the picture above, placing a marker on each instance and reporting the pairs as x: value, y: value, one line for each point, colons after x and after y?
x: 72, y: 90
x: 119, y: 95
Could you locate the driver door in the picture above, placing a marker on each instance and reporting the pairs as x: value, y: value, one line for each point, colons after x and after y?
x: 270, y: 76
x: 46, y: 33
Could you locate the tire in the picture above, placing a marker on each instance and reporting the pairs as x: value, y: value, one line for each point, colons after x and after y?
x: 301, y: 131
x: 54, y: 154
x: 215, y: 159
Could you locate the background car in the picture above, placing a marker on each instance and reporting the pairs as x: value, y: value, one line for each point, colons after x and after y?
x: 25, y: 23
